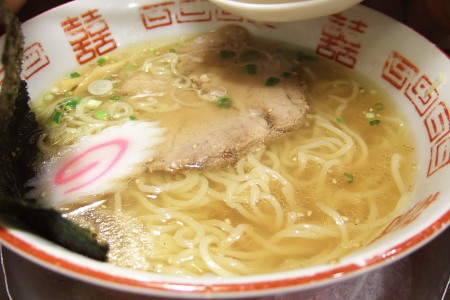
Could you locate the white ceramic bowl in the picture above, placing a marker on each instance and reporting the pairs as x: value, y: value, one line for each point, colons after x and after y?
x: 396, y: 58
x: 284, y: 11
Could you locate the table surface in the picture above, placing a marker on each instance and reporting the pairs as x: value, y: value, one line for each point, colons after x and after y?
x: 423, y: 275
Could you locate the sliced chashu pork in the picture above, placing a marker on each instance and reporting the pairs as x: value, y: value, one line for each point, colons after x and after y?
x: 208, y: 136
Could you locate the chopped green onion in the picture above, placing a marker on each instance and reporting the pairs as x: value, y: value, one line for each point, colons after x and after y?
x: 349, y: 176
x: 249, y: 55
x: 114, y: 97
x: 272, y: 81
x: 227, y: 54
x: 379, y: 106
x: 340, y: 120
x: 286, y: 74
x: 130, y: 66
x: 132, y: 118
x: 374, y: 122
x: 75, y: 75
x: 101, y: 115
x: 102, y: 60
x: 172, y: 50
x: 251, y: 69
x: 224, y: 102
x: 56, y: 117
x: 71, y: 103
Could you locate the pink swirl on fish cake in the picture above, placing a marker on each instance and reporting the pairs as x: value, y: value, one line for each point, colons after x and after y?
x: 88, y: 174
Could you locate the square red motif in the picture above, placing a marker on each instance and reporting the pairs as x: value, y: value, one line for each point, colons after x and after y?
x: 422, y: 94
x: 157, y: 15
x: 200, y: 12
x: 398, y: 70
x: 440, y: 155
x: 223, y: 15
x: 35, y: 59
x: 166, y: 13
x: 437, y: 122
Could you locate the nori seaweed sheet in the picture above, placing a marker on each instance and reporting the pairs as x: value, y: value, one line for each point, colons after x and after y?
x: 19, y: 131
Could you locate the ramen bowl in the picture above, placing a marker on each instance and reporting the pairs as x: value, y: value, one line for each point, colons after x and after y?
x: 401, y: 62
x: 284, y: 11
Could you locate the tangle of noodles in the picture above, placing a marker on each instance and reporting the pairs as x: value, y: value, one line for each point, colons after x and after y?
x: 316, y: 195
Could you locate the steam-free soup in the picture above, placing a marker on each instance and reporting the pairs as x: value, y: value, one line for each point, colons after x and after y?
x: 324, y: 187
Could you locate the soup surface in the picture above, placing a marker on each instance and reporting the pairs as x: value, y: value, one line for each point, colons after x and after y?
x: 306, y: 193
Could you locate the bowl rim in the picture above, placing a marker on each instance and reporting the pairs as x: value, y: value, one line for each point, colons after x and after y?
x: 282, y: 4
x: 291, y: 11
x: 167, y: 285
